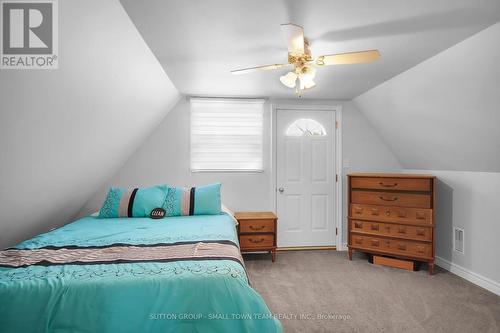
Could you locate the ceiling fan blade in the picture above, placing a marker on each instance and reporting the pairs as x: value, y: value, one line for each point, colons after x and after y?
x: 361, y: 57
x: 294, y: 38
x: 257, y: 68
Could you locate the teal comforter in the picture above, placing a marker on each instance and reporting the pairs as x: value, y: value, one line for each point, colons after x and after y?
x: 178, y: 296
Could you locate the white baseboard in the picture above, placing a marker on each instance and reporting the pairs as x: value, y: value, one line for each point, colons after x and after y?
x: 468, y: 275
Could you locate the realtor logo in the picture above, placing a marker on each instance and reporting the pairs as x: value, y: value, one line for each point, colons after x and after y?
x: 29, y: 35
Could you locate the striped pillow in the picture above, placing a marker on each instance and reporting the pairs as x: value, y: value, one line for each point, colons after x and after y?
x: 138, y: 202
x: 202, y: 200
x: 177, y: 201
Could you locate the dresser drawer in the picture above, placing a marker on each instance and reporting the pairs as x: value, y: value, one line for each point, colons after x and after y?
x: 383, y: 183
x: 391, y: 214
x: 392, y: 246
x: 391, y: 199
x: 256, y: 241
x: 256, y: 226
x: 391, y: 229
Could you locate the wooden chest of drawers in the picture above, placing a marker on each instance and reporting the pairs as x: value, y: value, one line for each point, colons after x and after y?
x: 257, y: 231
x: 392, y: 215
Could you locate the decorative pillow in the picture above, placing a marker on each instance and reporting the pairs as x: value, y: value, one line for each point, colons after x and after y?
x: 138, y: 202
x: 176, y: 201
x: 202, y: 200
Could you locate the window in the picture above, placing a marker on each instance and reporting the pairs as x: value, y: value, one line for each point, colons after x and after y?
x: 226, y: 134
x: 305, y: 127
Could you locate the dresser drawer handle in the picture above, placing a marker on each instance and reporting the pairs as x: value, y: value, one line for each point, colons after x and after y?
x: 358, y: 225
x: 388, y: 199
x: 375, y: 242
x: 257, y: 228
x: 374, y: 226
x: 402, y: 247
x: 388, y: 185
x: 256, y: 240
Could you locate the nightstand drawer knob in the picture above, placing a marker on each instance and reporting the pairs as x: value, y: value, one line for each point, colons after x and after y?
x: 256, y: 240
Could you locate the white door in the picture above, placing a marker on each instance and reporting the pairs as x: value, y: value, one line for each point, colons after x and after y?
x: 305, y: 177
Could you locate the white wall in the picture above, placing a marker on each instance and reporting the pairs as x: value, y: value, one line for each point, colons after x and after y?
x: 164, y: 158
x: 443, y: 114
x: 64, y: 132
x: 469, y: 200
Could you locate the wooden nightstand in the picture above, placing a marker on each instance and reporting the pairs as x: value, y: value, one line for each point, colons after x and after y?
x: 257, y: 231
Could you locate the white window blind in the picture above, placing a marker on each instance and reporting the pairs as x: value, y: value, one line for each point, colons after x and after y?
x: 226, y: 134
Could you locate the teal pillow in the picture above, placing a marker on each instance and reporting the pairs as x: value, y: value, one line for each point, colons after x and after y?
x: 148, y: 199
x: 201, y: 200
x: 207, y: 200
x: 177, y: 201
x: 138, y: 202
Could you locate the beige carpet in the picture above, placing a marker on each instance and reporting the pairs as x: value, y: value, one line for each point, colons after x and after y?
x: 356, y: 296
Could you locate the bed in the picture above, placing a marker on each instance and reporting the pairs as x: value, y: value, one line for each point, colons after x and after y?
x: 177, y: 274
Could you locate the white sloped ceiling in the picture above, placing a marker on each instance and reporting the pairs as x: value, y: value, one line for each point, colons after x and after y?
x: 443, y: 114
x: 64, y: 132
x: 199, y: 42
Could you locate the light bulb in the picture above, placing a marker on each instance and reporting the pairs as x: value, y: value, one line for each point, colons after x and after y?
x: 306, y: 82
x: 289, y: 79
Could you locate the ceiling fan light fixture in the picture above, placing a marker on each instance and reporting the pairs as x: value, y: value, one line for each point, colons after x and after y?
x: 304, y: 64
x: 306, y: 83
x: 308, y: 72
x: 289, y: 79
x: 310, y: 85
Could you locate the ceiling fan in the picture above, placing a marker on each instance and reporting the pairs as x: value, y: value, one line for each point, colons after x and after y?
x: 304, y: 65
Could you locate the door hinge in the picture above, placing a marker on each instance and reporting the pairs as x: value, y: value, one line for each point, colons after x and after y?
x: 336, y: 124
x: 336, y: 231
x: 337, y: 178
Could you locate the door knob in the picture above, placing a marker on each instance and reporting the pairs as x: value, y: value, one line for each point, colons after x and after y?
x: 281, y: 189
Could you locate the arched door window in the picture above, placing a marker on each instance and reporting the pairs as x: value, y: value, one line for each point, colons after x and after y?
x: 305, y: 127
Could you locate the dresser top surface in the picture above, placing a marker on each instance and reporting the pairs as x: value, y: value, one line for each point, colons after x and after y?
x: 391, y: 175
x: 254, y: 215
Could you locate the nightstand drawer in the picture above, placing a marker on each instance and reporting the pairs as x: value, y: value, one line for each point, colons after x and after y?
x: 256, y: 226
x: 256, y: 241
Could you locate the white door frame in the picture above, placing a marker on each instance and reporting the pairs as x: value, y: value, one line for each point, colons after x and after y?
x: 337, y: 109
